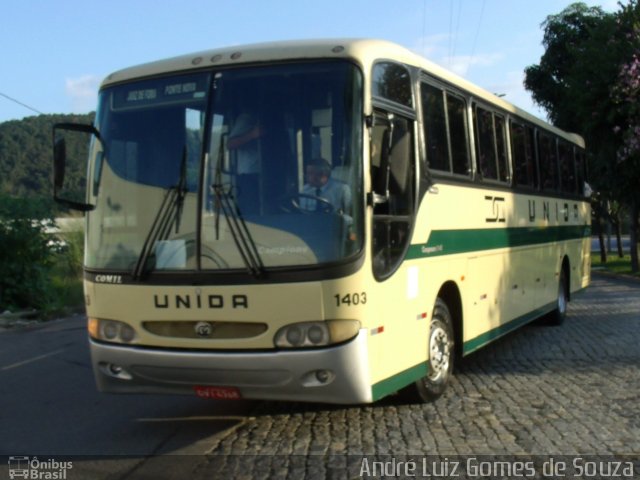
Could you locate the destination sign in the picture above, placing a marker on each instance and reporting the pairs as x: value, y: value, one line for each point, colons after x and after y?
x: 160, y: 92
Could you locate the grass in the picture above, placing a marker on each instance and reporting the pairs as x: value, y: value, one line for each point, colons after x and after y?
x: 614, y: 264
x: 66, y: 288
x: 66, y: 277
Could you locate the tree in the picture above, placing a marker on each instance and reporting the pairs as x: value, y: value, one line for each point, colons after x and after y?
x: 26, y: 155
x: 565, y: 41
x: 576, y: 81
x: 25, y: 253
x: 626, y: 96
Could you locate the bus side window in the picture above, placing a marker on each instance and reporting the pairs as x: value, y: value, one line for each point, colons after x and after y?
x: 530, y: 152
x: 391, y: 81
x: 501, y: 149
x: 379, y: 143
x: 520, y: 171
x: 401, y: 167
x: 522, y: 149
x: 444, y: 118
x: 548, y: 162
x: 491, y: 145
x: 393, y: 170
x: 392, y: 166
x: 581, y: 172
x: 435, y: 128
x: 457, y: 111
x: 485, y: 148
x: 567, y: 168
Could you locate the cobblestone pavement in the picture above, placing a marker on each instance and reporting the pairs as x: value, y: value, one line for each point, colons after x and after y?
x: 568, y: 390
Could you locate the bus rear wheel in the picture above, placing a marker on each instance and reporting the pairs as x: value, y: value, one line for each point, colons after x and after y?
x: 441, y: 354
x: 559, y: 314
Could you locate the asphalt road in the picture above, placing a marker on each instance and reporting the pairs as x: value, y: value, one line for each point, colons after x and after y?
x: 49, y: 407
x: 573, y: 389
x: 625, y: 241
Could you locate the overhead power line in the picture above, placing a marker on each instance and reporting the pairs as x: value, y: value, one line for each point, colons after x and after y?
x: 475, y: 40
x: 20, y: 103
x: 424, y: 27
x: 455, y: 36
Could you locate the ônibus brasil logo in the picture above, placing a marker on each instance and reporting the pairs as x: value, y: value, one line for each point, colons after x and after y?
x: 32, y: 468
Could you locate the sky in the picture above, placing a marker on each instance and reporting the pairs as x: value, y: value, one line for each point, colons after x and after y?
x: 55, y: 53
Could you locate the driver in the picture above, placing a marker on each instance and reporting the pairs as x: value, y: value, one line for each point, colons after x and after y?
x: 320, y: 184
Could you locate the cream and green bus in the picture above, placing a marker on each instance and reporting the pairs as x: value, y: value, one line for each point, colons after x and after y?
x: 326, y: 221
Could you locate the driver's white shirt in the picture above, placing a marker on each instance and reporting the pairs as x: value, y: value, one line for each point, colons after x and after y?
x: 335, y: 192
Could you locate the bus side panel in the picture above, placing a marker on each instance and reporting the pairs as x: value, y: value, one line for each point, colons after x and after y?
x: 485, y: 285
x: 398, y: 326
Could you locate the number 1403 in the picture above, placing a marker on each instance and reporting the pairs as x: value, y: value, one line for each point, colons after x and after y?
x: 350, y: 299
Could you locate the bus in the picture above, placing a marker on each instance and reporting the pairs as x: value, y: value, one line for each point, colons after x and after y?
x: 327, y: 221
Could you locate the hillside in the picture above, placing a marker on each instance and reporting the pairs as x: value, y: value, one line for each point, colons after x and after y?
x: 26, y: 155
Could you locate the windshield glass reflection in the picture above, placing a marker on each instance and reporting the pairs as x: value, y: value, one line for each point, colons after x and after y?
x: 244, y: 169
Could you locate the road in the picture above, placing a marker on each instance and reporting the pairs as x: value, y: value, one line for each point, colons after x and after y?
x: 49, y: 407
x: 573, y: 389
x: 625, y: 241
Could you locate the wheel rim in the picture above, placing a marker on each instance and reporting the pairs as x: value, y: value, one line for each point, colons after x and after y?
x: 440, y: 353
x: 562, y: 299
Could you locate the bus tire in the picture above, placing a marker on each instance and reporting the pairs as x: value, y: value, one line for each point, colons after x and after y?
x: 441, y: 354
x: 559, y: 313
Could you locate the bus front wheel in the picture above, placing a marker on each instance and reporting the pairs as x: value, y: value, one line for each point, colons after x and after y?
x: 441, y: 354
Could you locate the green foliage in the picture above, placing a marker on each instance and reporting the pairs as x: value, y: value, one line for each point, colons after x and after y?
x: 566, y: 38
x: 26, y: 156
x: 618, y: 265
x: 576, y: 81
x: 38, y: 269
x: 32, y: 273
x: 25, y: 253
x: 626, y: 92
x: 587, y: 80
x: 66, y: 278
x: 73, y: 254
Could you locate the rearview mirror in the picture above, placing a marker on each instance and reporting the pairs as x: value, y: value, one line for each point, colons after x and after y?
x: 59, y: 163
x: 382, y: 136
x: 68, y: 137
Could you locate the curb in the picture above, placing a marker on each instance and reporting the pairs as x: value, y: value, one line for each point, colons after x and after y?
x: 623, y: 276
x: 10, y: 319
x: 14, y: 320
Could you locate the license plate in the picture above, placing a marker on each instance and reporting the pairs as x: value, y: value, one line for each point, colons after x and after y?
x: 217, y: 393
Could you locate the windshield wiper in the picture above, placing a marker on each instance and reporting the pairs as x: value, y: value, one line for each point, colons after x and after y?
x: 168, y: 215
x: 239, y: 230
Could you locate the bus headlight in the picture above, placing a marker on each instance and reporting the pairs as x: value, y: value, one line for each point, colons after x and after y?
x: 111, y: 331
x: 316, y: 334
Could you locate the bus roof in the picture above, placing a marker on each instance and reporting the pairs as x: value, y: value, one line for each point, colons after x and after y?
x: 364, y: 51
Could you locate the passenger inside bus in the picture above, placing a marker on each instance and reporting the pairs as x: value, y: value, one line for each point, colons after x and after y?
x: 245, y: 148
x: 243, y: 140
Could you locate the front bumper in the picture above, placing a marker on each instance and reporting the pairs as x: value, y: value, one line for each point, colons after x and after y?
x: 273, y: 375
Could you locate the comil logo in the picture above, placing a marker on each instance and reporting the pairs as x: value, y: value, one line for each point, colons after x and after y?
x: 32, y: 468
x: 203, y: 329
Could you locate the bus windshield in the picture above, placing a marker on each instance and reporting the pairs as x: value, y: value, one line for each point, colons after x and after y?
x: 246, y: 168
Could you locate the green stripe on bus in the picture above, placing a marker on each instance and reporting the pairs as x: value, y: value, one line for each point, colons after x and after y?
x: 404, y: 378
x: 398, y: 381
x: 449, y: 242
x: 491, y: 335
